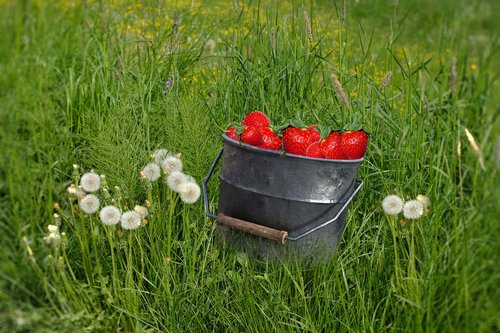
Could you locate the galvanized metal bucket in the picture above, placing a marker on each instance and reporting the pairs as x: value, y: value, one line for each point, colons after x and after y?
x: 267, y: 198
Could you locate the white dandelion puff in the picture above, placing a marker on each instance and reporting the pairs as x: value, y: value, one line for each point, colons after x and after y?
x: 413, y: 209
x: 171, y: 164
x: 90, y: 182
x: 130, y: 220
x: 190, y: 192
x: 141, y: 210
x: 190, y: 179
x: 89, y: 204
x: 110, y: 215
x: 151, y: 172
x: 160, y: 155
x: 392, y: 204
x: 424, y: 200
x: 175, y: 180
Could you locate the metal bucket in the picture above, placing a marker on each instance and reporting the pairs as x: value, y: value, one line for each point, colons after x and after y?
x: 290, y: 199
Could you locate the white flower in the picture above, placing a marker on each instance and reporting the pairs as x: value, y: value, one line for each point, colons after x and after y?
x: 211, y: 43
x: 413, y: 209
x: 53, y: 228
x: 89, y: 204
x: 53, y: 237
x: 90, y: 182
x: 151, y: 171
x: 130, y: 220
x: 110, y: 215
x: 392, y: 204
x: 426, y: 202
x: 141, y: 210
x: 72, y: 189
x: 160, y: 155
x: 175, y: 180
x: 190, y: 192
x: 171, y: 164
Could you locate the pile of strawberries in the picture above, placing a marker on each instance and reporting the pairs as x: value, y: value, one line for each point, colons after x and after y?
x: 255, y: 130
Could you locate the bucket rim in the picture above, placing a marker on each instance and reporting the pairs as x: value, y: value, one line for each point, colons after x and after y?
x: 283, y: 154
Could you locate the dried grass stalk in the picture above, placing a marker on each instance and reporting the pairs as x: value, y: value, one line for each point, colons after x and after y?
x: 496, y: 153
x: 385, y: 81
x: 339, y: 90
x: 308, y: 28
x: 475, y: 148
x: 453, y: 76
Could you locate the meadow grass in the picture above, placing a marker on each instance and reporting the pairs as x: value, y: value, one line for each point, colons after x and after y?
x: 86, y: 84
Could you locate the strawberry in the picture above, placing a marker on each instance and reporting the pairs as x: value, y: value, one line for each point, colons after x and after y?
x: 270, y: 140
x: 314, y: 150
x: 252, y: 136
x: 296, y: 140
x: 256, y: 118
x: 354, y: 144
x: 315, y: 135
x: 332, y: 148
x: 231, y: 132
x: 274, y: 143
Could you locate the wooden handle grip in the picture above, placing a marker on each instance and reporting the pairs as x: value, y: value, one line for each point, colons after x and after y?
x: 252, y: 228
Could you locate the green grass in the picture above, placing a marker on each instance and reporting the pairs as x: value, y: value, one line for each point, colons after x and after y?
x: 76, y: 88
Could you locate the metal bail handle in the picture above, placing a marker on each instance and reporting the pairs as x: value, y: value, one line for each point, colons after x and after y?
x: 260, y: 230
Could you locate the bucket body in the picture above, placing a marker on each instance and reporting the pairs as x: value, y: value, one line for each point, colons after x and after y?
x: 285, y: 192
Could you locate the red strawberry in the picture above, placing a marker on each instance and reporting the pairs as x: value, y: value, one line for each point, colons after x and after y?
x: 256, y: 118
x: 252, y: 136
x: 273, y: 144
x: 314, y: 150
x: 231, y: 132
x: 354, y: 144
x: 332, y: 148
x: 270, y: 139
x: 315, y: 135
x: 296, y: 140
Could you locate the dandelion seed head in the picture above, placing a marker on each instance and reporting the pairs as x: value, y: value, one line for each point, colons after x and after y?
x: 130, y: 220
x: 160, y: 155
x: 90, y: 182
x: 392, y: 204
x: 141, y: 210
x: 171, y: 164
x: 89, y: 204
x: 175, y: 180
x: 151, y: 172
x: 110, y: 215
x: 413, y: 209
x: 190, y: 192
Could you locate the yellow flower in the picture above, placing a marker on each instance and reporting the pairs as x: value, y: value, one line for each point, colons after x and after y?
x: 473, y: 67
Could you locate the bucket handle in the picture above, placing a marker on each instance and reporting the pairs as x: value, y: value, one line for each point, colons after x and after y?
x: 279, y: 236
x: 238, y: 224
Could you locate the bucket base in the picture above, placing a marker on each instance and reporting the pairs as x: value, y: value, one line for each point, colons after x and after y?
x: 316, y: 248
